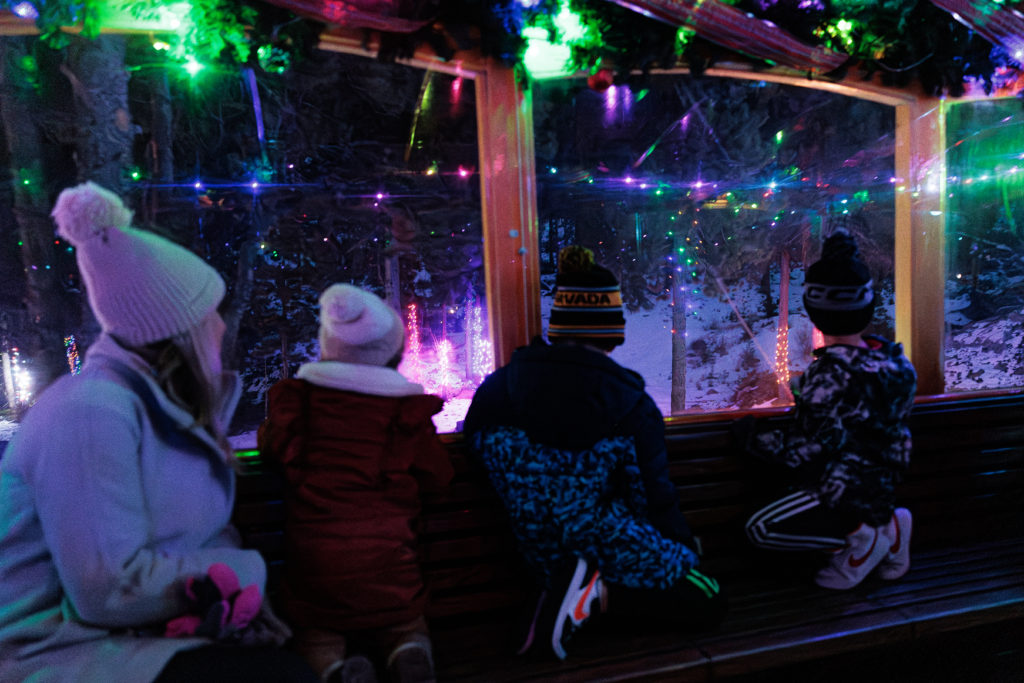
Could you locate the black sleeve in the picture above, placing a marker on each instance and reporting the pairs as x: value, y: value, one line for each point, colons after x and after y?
x: 647, y: 426
x: 490, y: 405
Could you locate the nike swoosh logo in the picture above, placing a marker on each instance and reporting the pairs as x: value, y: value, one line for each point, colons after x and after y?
x: 582, y: 610
x: 895, y: 548
x: 858, y: 561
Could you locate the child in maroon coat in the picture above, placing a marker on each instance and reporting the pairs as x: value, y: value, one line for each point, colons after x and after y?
x: 358, y: 445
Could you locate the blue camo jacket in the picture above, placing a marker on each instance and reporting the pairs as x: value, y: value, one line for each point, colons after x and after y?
x: 565, y: 426
x: 850, y: 440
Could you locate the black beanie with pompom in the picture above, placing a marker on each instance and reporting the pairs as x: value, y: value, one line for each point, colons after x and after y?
x: 838, y: 293
x: 588, y: 302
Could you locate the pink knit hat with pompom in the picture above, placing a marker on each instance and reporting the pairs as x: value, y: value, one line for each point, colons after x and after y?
x: 356, y: 326
x: 142, y: 287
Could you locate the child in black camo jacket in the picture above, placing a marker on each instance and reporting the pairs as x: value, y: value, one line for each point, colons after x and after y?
x: 849, y: 442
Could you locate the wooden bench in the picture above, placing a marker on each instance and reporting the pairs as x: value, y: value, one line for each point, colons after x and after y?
x: 965, y: 489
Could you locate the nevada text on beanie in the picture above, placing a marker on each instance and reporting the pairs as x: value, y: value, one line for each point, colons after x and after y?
x: 588, y: 301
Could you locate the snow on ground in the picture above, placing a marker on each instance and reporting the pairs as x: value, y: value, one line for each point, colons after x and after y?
x: 7, y: 429
x: 721, y: 358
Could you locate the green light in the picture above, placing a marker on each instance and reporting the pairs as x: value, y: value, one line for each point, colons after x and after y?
x: 136, y: 175
x: 544, y: 59
x: 844, y: 25
x: 683, y: 36
x: 568, y: 22
x: 778, y: 138
x: 659, y: 192
x: 251, y: 453
x: 192, y: 66
x: 26, y: 181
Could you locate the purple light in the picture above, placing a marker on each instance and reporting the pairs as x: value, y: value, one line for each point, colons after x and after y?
x: 463, y: 173
x: 629, y: 180
x: 254, y: 185
x: 380, y: 195
x: 198, y: 185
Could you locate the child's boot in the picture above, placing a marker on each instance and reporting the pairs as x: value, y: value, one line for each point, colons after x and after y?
x: 897, y: 531
x: 865, y: 549
x: 412, y: 661
x: 354, y: 669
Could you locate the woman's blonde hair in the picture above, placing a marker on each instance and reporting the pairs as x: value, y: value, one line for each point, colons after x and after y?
x: 185, y: 372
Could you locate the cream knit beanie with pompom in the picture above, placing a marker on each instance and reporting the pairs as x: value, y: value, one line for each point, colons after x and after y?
x: 142, y: 287
x: 356, y: 326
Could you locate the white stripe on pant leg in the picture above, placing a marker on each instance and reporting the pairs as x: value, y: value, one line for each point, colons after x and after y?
x: 797, y: 503
x: 798, y: 498
x: 755, y: 525
x: 782, y: 509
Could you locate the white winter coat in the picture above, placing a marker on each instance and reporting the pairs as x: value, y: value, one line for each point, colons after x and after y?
x: 109, y: 499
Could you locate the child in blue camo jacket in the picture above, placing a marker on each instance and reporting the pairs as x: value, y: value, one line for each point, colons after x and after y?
x: 575, y: 448
x: 850, y: 440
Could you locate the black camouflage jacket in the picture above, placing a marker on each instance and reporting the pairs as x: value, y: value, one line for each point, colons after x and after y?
x: 850, y: 439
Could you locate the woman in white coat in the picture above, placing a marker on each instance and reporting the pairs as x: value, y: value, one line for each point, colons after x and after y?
x: 118, y: 487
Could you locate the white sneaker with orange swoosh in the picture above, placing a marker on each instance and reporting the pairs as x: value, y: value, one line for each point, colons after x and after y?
x: 581, y: 591
x: 865, y: 549
x: 897, y: 560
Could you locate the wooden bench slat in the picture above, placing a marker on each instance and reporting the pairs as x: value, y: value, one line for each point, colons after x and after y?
x: 965, y: 489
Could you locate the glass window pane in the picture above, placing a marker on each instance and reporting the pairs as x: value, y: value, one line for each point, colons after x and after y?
x: 708, y: 198
x: 985, y: 246
x: 343, y: 169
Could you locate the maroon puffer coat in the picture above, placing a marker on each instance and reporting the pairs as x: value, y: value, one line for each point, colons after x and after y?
x: 355, y: 465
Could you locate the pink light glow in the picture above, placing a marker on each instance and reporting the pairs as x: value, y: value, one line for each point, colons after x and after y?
x: 412, y: 362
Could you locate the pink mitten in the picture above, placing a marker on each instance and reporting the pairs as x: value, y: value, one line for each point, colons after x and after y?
x: 218, y: 606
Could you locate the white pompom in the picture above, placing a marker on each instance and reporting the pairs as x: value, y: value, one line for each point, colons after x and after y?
x: 87, y: 210
x: 342, y: 303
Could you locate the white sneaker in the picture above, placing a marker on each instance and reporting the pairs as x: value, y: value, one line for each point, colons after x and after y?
x: 865, y: 549
x: 897, y: 560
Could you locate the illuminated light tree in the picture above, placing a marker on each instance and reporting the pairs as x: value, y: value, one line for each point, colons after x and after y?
x: 782, y: 336
x: 447, y: 383
x: 479, y: 349
x: 412, y: 361
x: 71, y: 351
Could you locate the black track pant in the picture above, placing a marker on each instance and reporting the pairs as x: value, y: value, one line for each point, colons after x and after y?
x: 799, y: 521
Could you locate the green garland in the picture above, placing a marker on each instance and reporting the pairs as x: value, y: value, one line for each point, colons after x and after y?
x: 898, y: 41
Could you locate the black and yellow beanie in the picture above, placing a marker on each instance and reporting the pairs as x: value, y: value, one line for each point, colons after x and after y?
x: 588, y: 301
x: 838, y: 293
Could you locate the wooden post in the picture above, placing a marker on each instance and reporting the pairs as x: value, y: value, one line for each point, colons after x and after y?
x: 509, y: 206
x: 920, y: 248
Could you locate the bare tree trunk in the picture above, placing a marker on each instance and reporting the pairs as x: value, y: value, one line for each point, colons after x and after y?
x: 159, y: 150
x: 103, y: 127
x: 53, y: 312
x: 678, y: 400
x: 241, y: 295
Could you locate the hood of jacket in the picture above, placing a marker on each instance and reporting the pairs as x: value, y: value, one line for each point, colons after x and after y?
x: 570, y: 396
